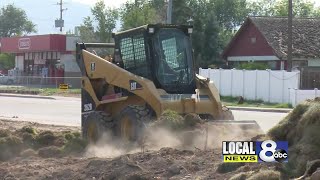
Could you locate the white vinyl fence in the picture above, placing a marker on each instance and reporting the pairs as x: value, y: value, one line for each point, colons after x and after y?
x: 267, y: 85
x: 297, y: 95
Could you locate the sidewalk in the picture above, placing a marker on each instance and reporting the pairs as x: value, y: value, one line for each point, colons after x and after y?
x: 25, y: 96
x: 278, y: 110
x: 39, y: 97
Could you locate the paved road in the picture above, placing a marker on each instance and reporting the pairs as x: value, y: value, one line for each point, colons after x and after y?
x: 57, y: 111
x: 266, y: 120
x: 66, y: 111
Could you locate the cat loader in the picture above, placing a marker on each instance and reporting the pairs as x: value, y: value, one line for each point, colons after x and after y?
x: 150, y: 70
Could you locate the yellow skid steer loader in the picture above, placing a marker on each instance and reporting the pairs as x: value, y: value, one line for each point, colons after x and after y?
x: 150, y: 70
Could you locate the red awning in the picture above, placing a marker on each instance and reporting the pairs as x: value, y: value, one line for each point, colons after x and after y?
x: 38, y: 43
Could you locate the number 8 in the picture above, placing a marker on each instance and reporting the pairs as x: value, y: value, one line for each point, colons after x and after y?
x: 265, y: 149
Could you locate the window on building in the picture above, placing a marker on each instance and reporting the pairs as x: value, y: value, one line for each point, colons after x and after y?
x: 44, y: 55
x: 26, y: 56
x: 49, y: 55
x: 54, y: 55
x: 253, y: 40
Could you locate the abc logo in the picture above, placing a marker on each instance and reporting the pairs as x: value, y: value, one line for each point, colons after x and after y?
x: 269, y: 153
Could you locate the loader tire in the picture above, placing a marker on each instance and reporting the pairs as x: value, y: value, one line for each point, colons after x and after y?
x: 96, y: 125
x: 131, y: 122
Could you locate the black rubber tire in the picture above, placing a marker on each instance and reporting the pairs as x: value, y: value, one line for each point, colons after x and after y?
x: 100, y: 122
x: 138, y: 117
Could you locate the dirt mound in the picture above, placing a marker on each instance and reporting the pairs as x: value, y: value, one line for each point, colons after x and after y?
x: 42, y: 157
x: 10, y: 146
x: 301, y: 129
x: 29, y: 141
x: 50, y: 152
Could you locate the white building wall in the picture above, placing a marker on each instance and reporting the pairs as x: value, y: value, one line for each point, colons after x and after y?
x: 71, y: 43
x: 70, y: 64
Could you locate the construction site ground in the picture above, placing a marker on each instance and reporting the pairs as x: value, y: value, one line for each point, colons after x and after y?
x: 106, y: 163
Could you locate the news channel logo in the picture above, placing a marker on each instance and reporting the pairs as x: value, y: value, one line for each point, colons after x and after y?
x: 255, y: 151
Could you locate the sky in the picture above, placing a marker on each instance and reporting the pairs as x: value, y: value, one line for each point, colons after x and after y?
x: 44, y: 12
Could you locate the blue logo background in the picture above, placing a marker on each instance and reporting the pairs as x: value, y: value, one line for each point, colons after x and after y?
x: 280, y: 145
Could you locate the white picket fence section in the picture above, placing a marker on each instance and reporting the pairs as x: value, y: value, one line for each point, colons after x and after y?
x: 267, y: 85
x: 297, y: 95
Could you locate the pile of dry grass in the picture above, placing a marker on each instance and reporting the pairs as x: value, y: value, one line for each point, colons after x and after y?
x: 301, y: 128
x: 28, y: 141
x: 10, y: 146
x: 173, y: 121
x: 260, y: 175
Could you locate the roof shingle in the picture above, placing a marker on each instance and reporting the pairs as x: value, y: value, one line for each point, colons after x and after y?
x: 306, y: 35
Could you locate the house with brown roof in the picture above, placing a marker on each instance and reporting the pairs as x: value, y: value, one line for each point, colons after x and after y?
x: 264, y: 39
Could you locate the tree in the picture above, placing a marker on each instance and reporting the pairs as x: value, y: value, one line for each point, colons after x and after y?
x: 14, y: 22
x: 280, y: 8
x: 230, y: 13
x: 211, y: 47
x: 6, y: 61
x: 106, y: 19
x: 86, y: 30
x: 161, y: 9
x: 138, y: 13
x: 181, y: 12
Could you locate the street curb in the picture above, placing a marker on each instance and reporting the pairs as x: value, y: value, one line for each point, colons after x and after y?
x: 277, y: 110
x: 26, y: 96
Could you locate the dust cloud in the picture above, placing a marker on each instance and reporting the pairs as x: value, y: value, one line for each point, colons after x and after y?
x: 207, y: 136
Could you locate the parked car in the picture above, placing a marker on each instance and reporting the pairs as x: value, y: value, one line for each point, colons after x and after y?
x: 8, y: 80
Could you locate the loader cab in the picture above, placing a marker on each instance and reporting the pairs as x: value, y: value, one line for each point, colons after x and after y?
x: 161, y: 53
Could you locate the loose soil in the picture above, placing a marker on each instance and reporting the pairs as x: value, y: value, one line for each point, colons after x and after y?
x: 49, y: 161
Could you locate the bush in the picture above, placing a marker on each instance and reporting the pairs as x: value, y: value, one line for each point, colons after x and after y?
x: 254, y: 66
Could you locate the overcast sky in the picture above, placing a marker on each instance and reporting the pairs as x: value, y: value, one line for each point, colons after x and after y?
x: 44, y: 12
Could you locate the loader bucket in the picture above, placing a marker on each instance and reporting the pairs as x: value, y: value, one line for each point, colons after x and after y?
x: 213, y: 133
x: 244, y: 125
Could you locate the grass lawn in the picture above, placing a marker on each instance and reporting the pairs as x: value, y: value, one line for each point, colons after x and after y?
x: 42, y: 92
x: 58, y: 92
x: 233, y: 101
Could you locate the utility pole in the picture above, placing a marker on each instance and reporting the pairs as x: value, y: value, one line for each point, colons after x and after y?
x: 169, y: 12
x: 60, y: 22
x: 289, y: 54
